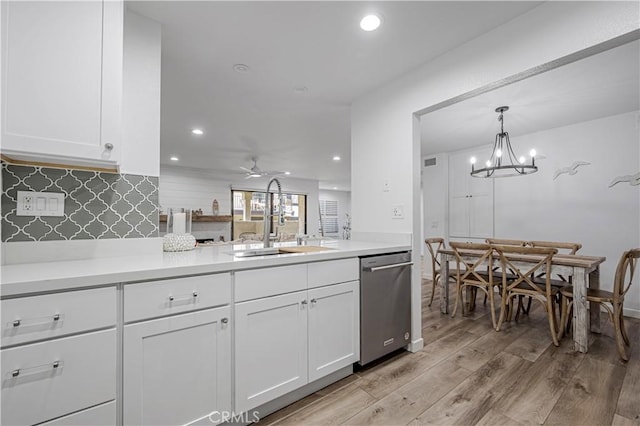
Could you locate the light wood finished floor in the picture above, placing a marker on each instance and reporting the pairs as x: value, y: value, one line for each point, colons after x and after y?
x: 469, y: 374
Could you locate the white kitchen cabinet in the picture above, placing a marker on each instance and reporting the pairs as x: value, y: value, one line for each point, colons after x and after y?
x: 177, y: 369
x: 334, y: 328
x: 62, y: 70
x: 285, y: 341
x: 103, y: 414
x: 42, y: 381
x: 271, y: 348
x: 470, y: 198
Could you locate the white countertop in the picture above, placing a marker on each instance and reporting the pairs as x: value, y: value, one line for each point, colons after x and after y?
x: 52, y: 276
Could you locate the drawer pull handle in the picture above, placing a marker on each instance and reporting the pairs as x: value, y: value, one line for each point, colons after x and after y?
x: 194, y: 295
x: 38, y: 369
x: 304, y: 302
x: 55, y: 317
x: 313, y: 301
x: 224, y: 320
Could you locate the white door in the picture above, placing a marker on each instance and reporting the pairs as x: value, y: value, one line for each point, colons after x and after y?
x: 177, y: 369
x: 62, y: 79
x: 481, y: 216
x: 271, y: 348
x: 334, y: 328
x: 459, y: 216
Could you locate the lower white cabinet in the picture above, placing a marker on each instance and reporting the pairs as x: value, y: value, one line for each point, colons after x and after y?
x: 177, y: 369
x: 271, y: 348
x: 284, y: 342
x: 103, y: 414
x: 42, y: 381
x: 334, y: 328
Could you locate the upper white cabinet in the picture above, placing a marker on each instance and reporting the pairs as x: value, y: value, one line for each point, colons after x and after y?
x: 62, y: 68
x: 470, y: 198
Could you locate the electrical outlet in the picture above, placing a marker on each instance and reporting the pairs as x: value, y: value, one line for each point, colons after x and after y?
x: 40, y: 204
x: 396, y: 212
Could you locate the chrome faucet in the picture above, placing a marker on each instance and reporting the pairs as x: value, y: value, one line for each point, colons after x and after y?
x: 268, y: 214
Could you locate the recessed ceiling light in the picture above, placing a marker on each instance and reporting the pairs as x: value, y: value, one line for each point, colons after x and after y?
x: 335, y: 187
x: 370, y: 22
x: 197, y: 131
x: 336, y: 158
x: 300, y: 89
x: 287, y: 173
x: 241, y: 68
x: 174, y: 158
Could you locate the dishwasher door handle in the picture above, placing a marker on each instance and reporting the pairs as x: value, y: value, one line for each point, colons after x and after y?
x: 395, y: 265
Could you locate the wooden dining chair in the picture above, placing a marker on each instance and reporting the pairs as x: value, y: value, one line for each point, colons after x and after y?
x: 434, y: 245
x: 473, y: 273
x: 506, y: 242
x: 524, y: 284
x: 612, y: 302
x: 572, y: 248
x: 558, y: 280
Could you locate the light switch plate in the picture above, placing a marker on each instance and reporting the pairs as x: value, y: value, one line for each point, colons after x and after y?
x: 397, y: 212
x: 40, y: 203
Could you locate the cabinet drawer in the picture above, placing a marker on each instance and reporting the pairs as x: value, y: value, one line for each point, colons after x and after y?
x: 104, y: 414
x: 38, y: 317
x: 158, y: 298
x: 333, y: 272
x: 50, y: 379
x: 269, y: 282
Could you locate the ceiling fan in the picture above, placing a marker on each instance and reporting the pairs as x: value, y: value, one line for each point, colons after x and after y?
x: 256, y: 171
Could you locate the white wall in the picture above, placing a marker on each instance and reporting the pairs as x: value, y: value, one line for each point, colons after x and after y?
x: 580, y: 207
x: 385, y: 137
x: 141, y: 96
x: 344, y: 206
x: 434, y: 195
x: 182, y: 187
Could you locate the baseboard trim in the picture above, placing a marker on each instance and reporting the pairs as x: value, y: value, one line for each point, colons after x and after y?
x: 416, y: 345
x: 632, y: 313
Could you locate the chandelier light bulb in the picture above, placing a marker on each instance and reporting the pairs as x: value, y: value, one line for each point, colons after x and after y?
x: 488, y: 163
x: 521, y: 159
x: 472, y: 160
x: 532, y: 153
x: 499, y: 153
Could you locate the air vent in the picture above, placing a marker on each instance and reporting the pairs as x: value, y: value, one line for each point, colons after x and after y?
x: 428, y: 162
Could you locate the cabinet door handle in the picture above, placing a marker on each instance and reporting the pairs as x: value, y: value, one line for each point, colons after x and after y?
x: 193, y: 295
x: 224, y: 320
x: 313, y: 301
x: 304, y: 302
x: 108, y: 146
x: 37, y: 369
x: 18, y: 322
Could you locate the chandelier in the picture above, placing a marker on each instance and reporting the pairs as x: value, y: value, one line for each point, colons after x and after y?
x: 503, y: 161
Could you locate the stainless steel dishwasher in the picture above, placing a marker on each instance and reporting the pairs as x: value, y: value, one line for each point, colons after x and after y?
x: 385, y: 304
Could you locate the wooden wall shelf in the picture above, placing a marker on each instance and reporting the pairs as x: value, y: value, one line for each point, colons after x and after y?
x: 203, y: 218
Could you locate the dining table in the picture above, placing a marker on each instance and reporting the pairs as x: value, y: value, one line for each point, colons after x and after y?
x: 583, y: 270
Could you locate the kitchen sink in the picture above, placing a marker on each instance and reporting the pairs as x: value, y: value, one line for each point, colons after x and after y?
x: 270, y: 251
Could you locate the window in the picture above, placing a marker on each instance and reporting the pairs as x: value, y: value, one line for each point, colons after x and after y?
x: 248, y: 214
x: 329, y: 216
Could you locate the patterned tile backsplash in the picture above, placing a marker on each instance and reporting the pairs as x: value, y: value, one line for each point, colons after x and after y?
x: 97, y: 205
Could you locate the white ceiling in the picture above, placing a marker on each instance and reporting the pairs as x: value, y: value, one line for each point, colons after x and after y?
x: 599, y: 86
x: 318, y: 45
